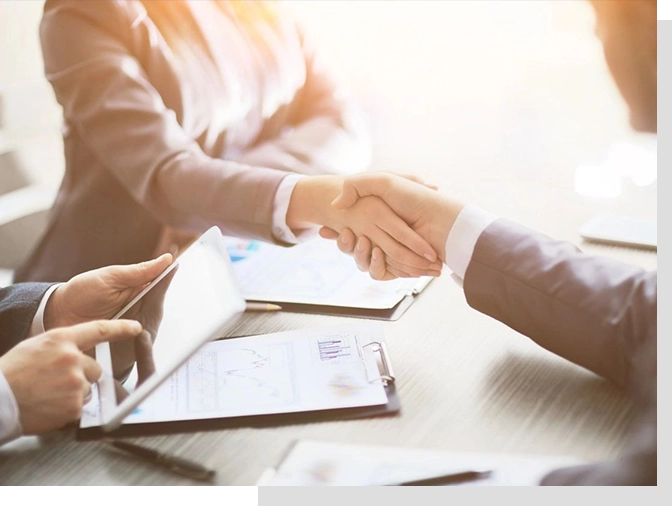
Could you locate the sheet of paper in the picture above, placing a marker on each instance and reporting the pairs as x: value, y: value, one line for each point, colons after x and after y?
x: 314, y: 272
x: 315, y: 463
x: 296, y: 371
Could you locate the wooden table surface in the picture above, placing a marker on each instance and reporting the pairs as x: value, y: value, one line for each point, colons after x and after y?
x: 466, y: 382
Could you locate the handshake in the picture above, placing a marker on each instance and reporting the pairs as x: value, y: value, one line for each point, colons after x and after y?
x: 394, y: 226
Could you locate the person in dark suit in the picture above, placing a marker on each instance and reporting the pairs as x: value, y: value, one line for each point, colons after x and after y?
x: 596, y: 312
x: 45, y: 332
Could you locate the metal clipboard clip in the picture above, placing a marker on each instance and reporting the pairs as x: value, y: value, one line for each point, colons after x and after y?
x: 415, y: 289
x: 387, y: 376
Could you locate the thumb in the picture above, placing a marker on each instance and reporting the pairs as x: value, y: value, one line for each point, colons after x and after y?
x: 419, y: 180
x: 87, y: 335
x: 128, y: 276
x: 354, y: 189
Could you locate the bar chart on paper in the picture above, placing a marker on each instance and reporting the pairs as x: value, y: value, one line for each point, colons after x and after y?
x: 332, y: 348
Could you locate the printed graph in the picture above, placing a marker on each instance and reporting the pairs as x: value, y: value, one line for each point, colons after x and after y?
x: 241, y: 378
x: 240, y: 250
x: 309, y: 270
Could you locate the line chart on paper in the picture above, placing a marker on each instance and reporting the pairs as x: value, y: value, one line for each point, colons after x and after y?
x: 248, y: 377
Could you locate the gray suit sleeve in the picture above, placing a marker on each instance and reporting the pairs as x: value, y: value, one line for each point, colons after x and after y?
x: 18, y: 304
x: 593, y: 311
x: 107, y: 97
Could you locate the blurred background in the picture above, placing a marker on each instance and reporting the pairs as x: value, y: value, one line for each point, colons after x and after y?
x: 495, y: 88
x: 472, y: 94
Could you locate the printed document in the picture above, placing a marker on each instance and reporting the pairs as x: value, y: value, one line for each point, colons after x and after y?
x: 314, y: 463
x: 314, y: 369
x: 314, y: 272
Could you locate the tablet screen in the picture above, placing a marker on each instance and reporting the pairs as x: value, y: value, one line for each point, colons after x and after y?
x: 185, y: 307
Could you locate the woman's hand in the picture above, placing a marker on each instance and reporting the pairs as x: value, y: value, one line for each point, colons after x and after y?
x: 430, y: 214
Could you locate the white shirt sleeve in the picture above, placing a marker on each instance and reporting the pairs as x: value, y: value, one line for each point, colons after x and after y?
x: 468, y: 227
x: 37, y: 327
x: 10, y: 424
x: 10, y: 421
x: 280, y: 206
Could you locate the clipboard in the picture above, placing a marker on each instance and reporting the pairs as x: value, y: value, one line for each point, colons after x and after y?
x: 391, y: 314
x: 387, y: 378
x: 316, y: 278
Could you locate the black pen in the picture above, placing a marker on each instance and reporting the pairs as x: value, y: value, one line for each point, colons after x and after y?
x: 175, y: 464
x: 448, y: 479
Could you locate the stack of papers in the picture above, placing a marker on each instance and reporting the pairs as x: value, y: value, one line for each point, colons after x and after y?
x: 314, y: 463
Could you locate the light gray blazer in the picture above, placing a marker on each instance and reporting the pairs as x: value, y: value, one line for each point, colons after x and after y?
x: 598, y: 313
x: 154, y: 140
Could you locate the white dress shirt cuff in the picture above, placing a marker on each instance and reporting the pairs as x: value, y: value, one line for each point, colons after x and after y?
x: 468, y: 227
x: 280, y: 206
x: 37, y: 326
x: 10, y: 424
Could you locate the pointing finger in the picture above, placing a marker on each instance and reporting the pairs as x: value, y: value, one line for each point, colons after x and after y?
x: 87, y: 335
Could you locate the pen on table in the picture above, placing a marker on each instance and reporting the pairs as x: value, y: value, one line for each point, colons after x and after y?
x: 175, y: 464
x: 448, y: 479
x: 261, y: 307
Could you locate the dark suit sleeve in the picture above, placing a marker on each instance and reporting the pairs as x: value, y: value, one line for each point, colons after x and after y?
x: 593, y: 311
x: 18, y: 304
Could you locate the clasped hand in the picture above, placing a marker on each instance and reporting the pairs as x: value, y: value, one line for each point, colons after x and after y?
x: 424, y: 211
x: 405, y: 240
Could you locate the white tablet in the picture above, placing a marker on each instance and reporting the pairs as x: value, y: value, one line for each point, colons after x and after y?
x: 621, y: 230
x: 186, y: 306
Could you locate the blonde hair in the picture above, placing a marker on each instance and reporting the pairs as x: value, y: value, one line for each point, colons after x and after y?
x: 181, y: 32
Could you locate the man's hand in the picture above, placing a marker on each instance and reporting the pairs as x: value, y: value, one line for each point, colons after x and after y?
x: 427, y: 212
x: 101, y: 293
x: 149, y: 312
x: 50, y: 375
x: 369, y: 216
